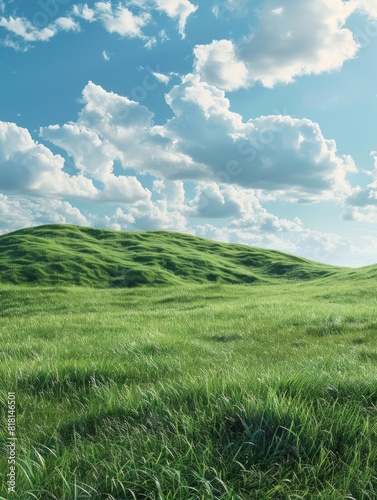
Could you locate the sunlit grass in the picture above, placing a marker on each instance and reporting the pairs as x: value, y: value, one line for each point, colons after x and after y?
x: 195, y: 392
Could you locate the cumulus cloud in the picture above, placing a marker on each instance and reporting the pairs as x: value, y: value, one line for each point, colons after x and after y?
x: 179, y: 9
x: 175, y: 9
x: 205, y: 142
x: 173, y: 192
x: 95, y: 158
x: 292, y: 39
x: 91, y: 154
x: 17, y: 212
x: 361, y: 204
x: 366, y: 214
x: 117, y: 18
x: 85, y: 12
x: 322, y: 246
x: 29, y: 167
x: 270, y: 152
x: 117, y: 128
x: 147, y: 217
x: 217, y: 63
x: 120, y: 20
x: 124, y: 22
x: 25, y: 30
x: 243, y: 206
x: 213, y: 201
x: 367, y: 6
x: 161, y: 77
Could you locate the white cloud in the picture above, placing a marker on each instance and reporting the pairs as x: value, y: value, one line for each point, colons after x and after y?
x: 17, y: 212
x: 146, y: 217
x: 120, y: 129
x: 24, y: 29
x: 121, y: 20
x: 223, y: 8
x: 367, y: 6
x: 263, y: 240
x: 163, y: 35
x: 211, y: 232
x: 172, y: 192
x: 105, y: 55
x: 204, y: 141
x: 322, y: 246
x: 180, y: 9
x: 95, y: 157
x: 150, y: 43
x: 124, y: 22
x: 115, y: 18
x: 161, y: 77
x: 305, y: 37
x: 29, y: 167
x: 243, y: 206
x: 91, y: 155
x: 175, y: 9
x: 212, y: 201
x: 360, y: 214
x: 270, y: 152
x: 259, y: 220
x: 66, y: 24
x: 361, y: 204
x: 84, y: 12
x: 217, y: 63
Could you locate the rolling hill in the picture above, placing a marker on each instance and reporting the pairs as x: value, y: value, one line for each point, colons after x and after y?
x: 73, y: 255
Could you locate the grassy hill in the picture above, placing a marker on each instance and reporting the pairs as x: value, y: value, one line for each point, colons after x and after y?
x: 72, y: 255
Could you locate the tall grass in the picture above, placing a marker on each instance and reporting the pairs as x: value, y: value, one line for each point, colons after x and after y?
x: 197, y: 392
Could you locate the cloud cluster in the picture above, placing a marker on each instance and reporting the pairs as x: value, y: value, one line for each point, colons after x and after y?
x: 179, y: 10
x: 116, y: 17
x: 361, y: 204
x: 29, y: 167
x: 292, y: 39
x: 22, y: 32
x: 147, y: 217
x: 270, y: 152
x: 203, y: 142
x: 17, y: 212
x: 113, y: 128
x: 223, y: 8
x: 367, y: 6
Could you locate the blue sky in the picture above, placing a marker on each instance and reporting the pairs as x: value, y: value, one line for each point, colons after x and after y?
x: 244, y: 121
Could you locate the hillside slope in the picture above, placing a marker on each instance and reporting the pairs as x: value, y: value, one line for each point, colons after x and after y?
x: 73, y: 255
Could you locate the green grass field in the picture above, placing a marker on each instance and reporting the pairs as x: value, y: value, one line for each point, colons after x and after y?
x: 193, y: 391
